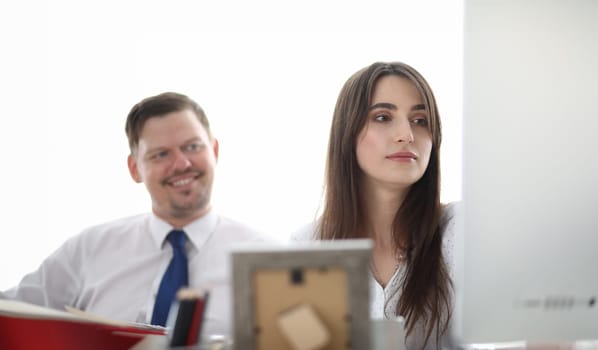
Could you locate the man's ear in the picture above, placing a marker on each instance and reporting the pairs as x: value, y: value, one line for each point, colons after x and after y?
x: 132, y: 163
x: 215, y: 148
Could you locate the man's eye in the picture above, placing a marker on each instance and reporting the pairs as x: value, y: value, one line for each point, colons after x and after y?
x: 194, y: 147
x: 159, y: 155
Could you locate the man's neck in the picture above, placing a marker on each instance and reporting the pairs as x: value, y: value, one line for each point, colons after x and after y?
x: 182, y: 221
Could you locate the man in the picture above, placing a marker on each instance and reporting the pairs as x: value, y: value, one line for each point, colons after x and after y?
x: 117, y: 269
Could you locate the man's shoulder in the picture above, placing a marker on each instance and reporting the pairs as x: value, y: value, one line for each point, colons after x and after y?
x: 305, y: 232
x: 239, y: 231
x: 106, y: 233
x: 122, y: 224
x: 124, y: 227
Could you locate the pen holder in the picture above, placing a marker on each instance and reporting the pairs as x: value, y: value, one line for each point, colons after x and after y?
x: 186, y: 316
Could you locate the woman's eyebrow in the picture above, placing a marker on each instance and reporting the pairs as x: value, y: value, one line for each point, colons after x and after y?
x: 382, y: 105
x: 418, y: 107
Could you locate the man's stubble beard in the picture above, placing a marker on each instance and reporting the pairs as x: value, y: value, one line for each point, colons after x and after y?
x: 191, y: 208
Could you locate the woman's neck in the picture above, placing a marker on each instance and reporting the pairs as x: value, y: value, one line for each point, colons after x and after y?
x: 381, y: 206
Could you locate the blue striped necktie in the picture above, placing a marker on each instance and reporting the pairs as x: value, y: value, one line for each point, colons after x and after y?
x: 175, y: 277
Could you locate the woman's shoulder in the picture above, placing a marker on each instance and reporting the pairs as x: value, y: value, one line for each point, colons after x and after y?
x: 306, y: 232
x: 450, y: 211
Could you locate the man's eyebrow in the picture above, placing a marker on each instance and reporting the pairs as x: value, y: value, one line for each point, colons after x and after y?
x: 419, y: 107
x: 194, y: 139
x: 164, y: 148
x: 155, y: 149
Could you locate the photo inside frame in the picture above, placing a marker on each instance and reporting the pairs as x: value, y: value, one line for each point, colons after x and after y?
x: 322, y: 289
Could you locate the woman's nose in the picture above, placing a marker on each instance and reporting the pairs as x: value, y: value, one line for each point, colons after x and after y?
x: 403, y: 132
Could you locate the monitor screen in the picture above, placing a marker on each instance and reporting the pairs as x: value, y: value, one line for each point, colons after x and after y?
x: 527, y: 251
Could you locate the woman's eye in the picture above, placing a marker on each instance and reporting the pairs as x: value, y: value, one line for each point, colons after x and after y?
x: 420, y: 121
x: 381, y: 118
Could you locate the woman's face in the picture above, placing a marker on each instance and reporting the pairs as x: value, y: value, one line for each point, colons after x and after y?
x: 393, y: 148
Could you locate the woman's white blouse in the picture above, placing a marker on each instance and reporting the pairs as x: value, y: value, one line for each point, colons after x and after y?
x: 383, y: 301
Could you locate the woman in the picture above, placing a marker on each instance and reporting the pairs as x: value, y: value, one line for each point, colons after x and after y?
x: 383, y: 183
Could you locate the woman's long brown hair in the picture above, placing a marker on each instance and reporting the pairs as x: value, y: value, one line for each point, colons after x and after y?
x: 426, y: 287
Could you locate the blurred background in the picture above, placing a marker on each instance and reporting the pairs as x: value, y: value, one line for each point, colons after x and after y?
x: 267, y: 73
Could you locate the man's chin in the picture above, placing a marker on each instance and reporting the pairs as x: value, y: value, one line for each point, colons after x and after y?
x: 188, y: 209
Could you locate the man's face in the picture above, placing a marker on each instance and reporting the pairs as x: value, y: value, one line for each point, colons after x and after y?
x: 176, y: 159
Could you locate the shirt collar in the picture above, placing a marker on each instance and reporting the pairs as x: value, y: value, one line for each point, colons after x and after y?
x: 198, y: 231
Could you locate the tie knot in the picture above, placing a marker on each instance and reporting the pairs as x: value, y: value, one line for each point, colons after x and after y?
x: 177, y: 240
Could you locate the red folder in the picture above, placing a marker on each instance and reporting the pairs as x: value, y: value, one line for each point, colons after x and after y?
x: 29, y: 327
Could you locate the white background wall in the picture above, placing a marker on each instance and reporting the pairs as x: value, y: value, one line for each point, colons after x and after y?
x: 266, y: 72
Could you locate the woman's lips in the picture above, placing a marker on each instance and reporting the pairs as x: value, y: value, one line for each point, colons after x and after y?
x: 402, y: 156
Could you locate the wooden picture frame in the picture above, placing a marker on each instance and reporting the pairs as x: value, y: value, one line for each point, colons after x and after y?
x: 330, y: 277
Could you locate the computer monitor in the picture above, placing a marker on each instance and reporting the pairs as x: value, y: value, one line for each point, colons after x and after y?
x: 527, y: 251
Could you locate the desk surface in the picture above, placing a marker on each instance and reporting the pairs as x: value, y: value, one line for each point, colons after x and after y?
x: 153, y: 342
x: 156, y: 342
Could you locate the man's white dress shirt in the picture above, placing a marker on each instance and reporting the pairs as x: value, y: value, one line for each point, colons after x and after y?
x: 114, y: 269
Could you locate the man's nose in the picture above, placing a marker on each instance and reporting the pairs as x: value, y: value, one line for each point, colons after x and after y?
x: 181, y: 161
